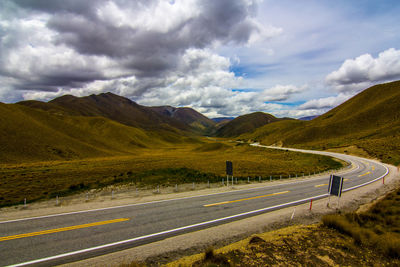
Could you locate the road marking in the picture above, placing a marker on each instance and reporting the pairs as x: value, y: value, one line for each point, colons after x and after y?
x: 168, y: 231
x: 51, y: 231
x: 319, y: 185
x: 373, y: 168
x: 149, y: 203
x: 364, y: 174
x: 244, y: 199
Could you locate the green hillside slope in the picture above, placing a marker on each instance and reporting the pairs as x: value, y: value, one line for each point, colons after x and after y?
x: 113, y: 107
x: 245, y: 123
x: 28, y: 134
x: 188, y: 116
x: 369, y: 120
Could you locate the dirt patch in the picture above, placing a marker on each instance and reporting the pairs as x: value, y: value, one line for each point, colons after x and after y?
x: 312, y: 245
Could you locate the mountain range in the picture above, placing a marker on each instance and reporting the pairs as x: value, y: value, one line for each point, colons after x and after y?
x: 72, y: 127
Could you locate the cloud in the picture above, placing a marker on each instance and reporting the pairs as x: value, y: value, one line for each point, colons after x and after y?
x: 134, y: 37
x: 282, y: 92
x: 325, y: 103
x: 363, y: 71
x: 131, y: 48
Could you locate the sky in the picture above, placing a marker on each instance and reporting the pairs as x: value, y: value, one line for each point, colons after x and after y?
x: 221, y: 57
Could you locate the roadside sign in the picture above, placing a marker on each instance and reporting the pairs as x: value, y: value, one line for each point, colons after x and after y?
x: 229, y: 168
x: 335, y: 185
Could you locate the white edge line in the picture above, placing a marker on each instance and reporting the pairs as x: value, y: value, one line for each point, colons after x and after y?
x: 369, y: 182
x: 165, y: 232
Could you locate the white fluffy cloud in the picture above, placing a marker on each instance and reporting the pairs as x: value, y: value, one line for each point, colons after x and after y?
x: 363, y: 71
x: 325, y: 103
x: 282, y: 92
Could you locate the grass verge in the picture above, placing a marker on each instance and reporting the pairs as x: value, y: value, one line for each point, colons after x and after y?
x: 185, y: 163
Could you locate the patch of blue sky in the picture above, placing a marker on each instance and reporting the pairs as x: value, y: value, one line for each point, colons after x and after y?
x: 244, y: 90
x: 289, y: 104
x: 313, y: 54
x: 253, y: 71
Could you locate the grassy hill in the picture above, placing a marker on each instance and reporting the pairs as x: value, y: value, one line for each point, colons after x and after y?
x: 188, y: 116
x: 245, y: 123
x: 30, y: 134
x: 110, y: 106
x: 369, y: 120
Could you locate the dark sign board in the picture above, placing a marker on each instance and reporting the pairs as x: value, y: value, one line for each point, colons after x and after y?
x: 335, y: 185
x: 229, y: 168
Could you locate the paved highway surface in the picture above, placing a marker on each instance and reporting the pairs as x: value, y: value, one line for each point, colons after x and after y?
x: 56, y: 239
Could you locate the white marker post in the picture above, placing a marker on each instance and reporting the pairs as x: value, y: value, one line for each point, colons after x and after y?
x: 294, y: 210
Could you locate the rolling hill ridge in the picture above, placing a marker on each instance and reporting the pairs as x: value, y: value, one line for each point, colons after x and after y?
x: 188, y: 116
x: 245, y: 123
x: 369, y: 120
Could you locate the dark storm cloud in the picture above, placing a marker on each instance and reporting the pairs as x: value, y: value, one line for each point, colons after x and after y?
x: 93, y: 29
x: 150, y: 51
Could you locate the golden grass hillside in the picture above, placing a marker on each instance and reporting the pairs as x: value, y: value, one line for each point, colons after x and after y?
x: 28, y: 134
x: 369, y: 120
x: 245, y: 123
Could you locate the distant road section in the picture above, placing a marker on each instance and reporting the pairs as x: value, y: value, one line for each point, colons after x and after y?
x: 62, y: 238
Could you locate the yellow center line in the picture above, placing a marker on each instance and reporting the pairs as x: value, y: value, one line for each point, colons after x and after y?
x: 51, y: 231
x: 373, y: 168
x: 364, y: 174
x: 244, y: 199
x: 319, y: 185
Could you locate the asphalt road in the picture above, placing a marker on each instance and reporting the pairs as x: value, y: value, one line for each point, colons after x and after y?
x: 56, y: 239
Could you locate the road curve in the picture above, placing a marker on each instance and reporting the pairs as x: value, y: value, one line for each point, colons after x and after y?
x: 63, y: 238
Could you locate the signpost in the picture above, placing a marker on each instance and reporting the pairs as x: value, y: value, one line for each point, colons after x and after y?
x: 335, y: 187
x: 229, y: 171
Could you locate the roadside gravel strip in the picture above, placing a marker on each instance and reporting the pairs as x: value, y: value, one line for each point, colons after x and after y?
x: 174, y: 247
